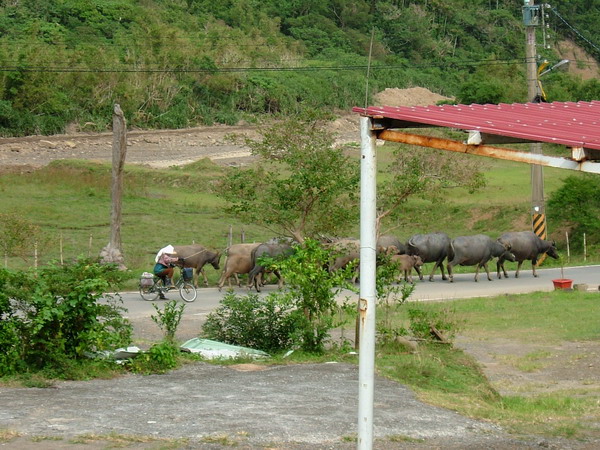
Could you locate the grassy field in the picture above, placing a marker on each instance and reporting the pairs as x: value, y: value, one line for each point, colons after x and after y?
x: 70, y: 201
x: 448, y: 377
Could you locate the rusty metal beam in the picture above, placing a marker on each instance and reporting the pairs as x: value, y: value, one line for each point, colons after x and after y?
x: 489, y: 151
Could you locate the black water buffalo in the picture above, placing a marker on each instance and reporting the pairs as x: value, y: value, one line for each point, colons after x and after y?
x: 197, y: 256
x: 477, y: 251
x: 525, y: 245
x: 431, y: 247
x: 387, y: 241
x: 276, y: 250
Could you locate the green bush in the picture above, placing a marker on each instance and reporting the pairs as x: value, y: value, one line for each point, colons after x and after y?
x: 262, y: 323
x: 159, y: 358
x: 54, y: 316
x: 302, y: 316
x: 576, y: 206
x: 168, y: 319
x: 10, y: 358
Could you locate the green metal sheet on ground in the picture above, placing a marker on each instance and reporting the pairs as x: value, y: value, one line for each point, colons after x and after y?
x: 214, y: 349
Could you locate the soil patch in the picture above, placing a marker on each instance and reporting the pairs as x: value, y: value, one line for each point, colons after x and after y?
x: 165, y: 148
x: 517, y: 368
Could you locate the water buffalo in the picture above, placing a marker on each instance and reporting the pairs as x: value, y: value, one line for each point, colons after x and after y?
x: 239, y: 261
x: 278, y: 250
x: 431, y: 247
x: 525, y: 245
x: 344, y: 251
x: 406, y: 263
x: 197, y: 256
x: 477, y: 251
x: 387, y: 242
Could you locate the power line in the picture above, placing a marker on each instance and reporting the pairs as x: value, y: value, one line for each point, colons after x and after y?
x: 574, y: 30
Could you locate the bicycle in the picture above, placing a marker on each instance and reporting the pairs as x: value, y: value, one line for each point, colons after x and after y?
x: 151, y: 288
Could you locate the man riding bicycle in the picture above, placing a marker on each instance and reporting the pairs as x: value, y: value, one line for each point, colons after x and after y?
x: 165, y: 259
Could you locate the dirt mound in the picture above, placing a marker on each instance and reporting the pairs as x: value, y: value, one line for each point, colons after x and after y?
x: 582, y: 64
x: 416, y: 96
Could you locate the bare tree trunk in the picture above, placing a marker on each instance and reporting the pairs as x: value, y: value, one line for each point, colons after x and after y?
x: 112, y: 252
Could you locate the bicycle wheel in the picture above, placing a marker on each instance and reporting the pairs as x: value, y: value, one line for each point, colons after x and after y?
x: 188, y: 292
x: 151, y: 293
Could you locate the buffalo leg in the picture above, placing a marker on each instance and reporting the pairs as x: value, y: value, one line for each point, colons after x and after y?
x: 204, y: 277
x: 520, y: 263
x: 533, y: 264
x: 420, y: 273
x: 450, y: 275
x: 433, y: 271
x: 485, y: 266
x: 226, y: 275
x: 442, y: 270
x: 195, y: 277
x: 477, y: 272
x: 499, y: 267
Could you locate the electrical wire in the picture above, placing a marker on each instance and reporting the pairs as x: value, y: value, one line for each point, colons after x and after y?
x: 574, y: 30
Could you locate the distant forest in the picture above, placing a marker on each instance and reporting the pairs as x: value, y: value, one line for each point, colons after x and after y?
x: 180, y: 63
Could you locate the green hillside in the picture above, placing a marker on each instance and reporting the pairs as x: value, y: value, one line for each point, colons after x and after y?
x: 176, y: 63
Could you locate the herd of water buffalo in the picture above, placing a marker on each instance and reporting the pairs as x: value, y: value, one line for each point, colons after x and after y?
x: 476, y: 250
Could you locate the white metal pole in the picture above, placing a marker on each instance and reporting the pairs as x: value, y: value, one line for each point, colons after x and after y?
x: 568, y: 249
x: 368, y: 295
x: 584, y: 248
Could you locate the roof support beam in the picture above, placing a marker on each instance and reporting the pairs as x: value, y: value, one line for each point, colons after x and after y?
x: 489, y: 151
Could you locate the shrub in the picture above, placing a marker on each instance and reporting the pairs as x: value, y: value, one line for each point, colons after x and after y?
x: 54, y: 315
x: 313, y: 289
x: 159, y: 358
x: 168, y: 319
x: 576, y: 206
x: 250, y: 321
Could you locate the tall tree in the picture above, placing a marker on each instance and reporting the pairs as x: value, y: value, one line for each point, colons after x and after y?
x: 301, y: 185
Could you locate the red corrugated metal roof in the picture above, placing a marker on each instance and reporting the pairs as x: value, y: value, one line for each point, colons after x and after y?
x: 574, y: 124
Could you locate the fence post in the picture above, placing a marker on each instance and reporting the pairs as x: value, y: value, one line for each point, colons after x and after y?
x: 90, y: 247
x: 568, y: 249
x: 230, y: 236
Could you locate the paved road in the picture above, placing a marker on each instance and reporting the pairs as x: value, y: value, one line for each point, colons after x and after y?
x: 463, y: 287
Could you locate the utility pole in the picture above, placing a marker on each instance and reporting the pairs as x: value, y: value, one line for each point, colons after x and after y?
x: 531, y: 18
x: 112, y: 253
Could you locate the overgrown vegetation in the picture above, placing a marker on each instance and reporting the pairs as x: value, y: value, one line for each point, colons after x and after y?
x: 51, y: 319
x: 575, y: 207
x: 173, y: 64
x: 301, y: 317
